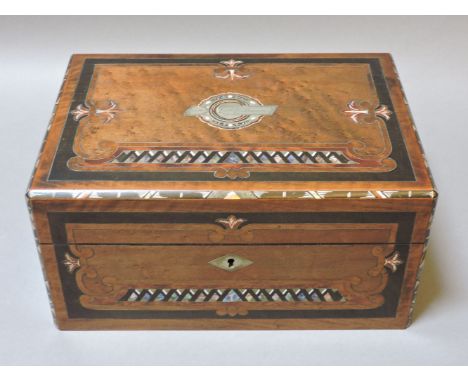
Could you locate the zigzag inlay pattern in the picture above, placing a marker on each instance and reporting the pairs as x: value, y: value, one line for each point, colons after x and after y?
x: 234, y: 295
x: 231, y: 157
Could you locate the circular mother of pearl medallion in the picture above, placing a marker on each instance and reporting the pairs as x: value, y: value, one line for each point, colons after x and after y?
x: 230, y: 111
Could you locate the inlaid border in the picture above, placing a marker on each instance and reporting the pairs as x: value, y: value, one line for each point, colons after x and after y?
x: 60, y: 171
x: 234, y: 194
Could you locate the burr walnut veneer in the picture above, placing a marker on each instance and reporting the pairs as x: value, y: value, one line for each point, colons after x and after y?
x: 231, y: 191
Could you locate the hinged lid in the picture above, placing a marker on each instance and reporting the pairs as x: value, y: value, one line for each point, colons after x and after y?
x: 231, y: 126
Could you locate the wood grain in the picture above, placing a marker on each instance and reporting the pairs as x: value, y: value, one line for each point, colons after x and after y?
x: 131, y: 104
x: 422, y: 179
x: 64, y: 322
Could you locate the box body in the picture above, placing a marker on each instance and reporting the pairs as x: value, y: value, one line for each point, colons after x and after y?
x: 231, y: 192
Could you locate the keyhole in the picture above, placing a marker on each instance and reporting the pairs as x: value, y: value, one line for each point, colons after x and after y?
x: 230, y: 262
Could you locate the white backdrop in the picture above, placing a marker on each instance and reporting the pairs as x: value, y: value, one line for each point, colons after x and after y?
x: 431, y: 54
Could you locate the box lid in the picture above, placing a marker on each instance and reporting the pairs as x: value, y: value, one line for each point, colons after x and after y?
x: 231, y: 126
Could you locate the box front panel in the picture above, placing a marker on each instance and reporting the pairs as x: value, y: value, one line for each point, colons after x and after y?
x: 108, y: 281
x: 218, y: 280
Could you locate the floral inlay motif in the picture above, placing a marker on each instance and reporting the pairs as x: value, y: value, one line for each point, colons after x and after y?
x: 362, y: 111
x: 231, y: 70
x: 393, y: 261
x: 85, y: 110
x: 71, y: 263
x: 231, y: 222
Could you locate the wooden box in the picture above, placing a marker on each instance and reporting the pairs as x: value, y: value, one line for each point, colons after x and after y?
x: 231, y: 192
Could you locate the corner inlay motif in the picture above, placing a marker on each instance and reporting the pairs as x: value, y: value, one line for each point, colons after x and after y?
x: 71, y: 263
x: 363, y: 111
x: 85, y: 110
x: 393, y: 261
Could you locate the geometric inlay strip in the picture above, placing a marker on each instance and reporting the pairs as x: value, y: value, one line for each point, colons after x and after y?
x: 205, y: 194
x: 234, y: 295
x: 231, y: 157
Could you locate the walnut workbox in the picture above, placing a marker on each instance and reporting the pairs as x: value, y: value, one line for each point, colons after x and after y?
x: 231, y: 191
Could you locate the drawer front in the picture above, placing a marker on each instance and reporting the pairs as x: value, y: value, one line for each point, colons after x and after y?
x: 135, y: 281
x: 231, y: 228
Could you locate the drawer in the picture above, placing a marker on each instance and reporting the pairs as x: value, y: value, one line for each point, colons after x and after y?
x: 153, y: 281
